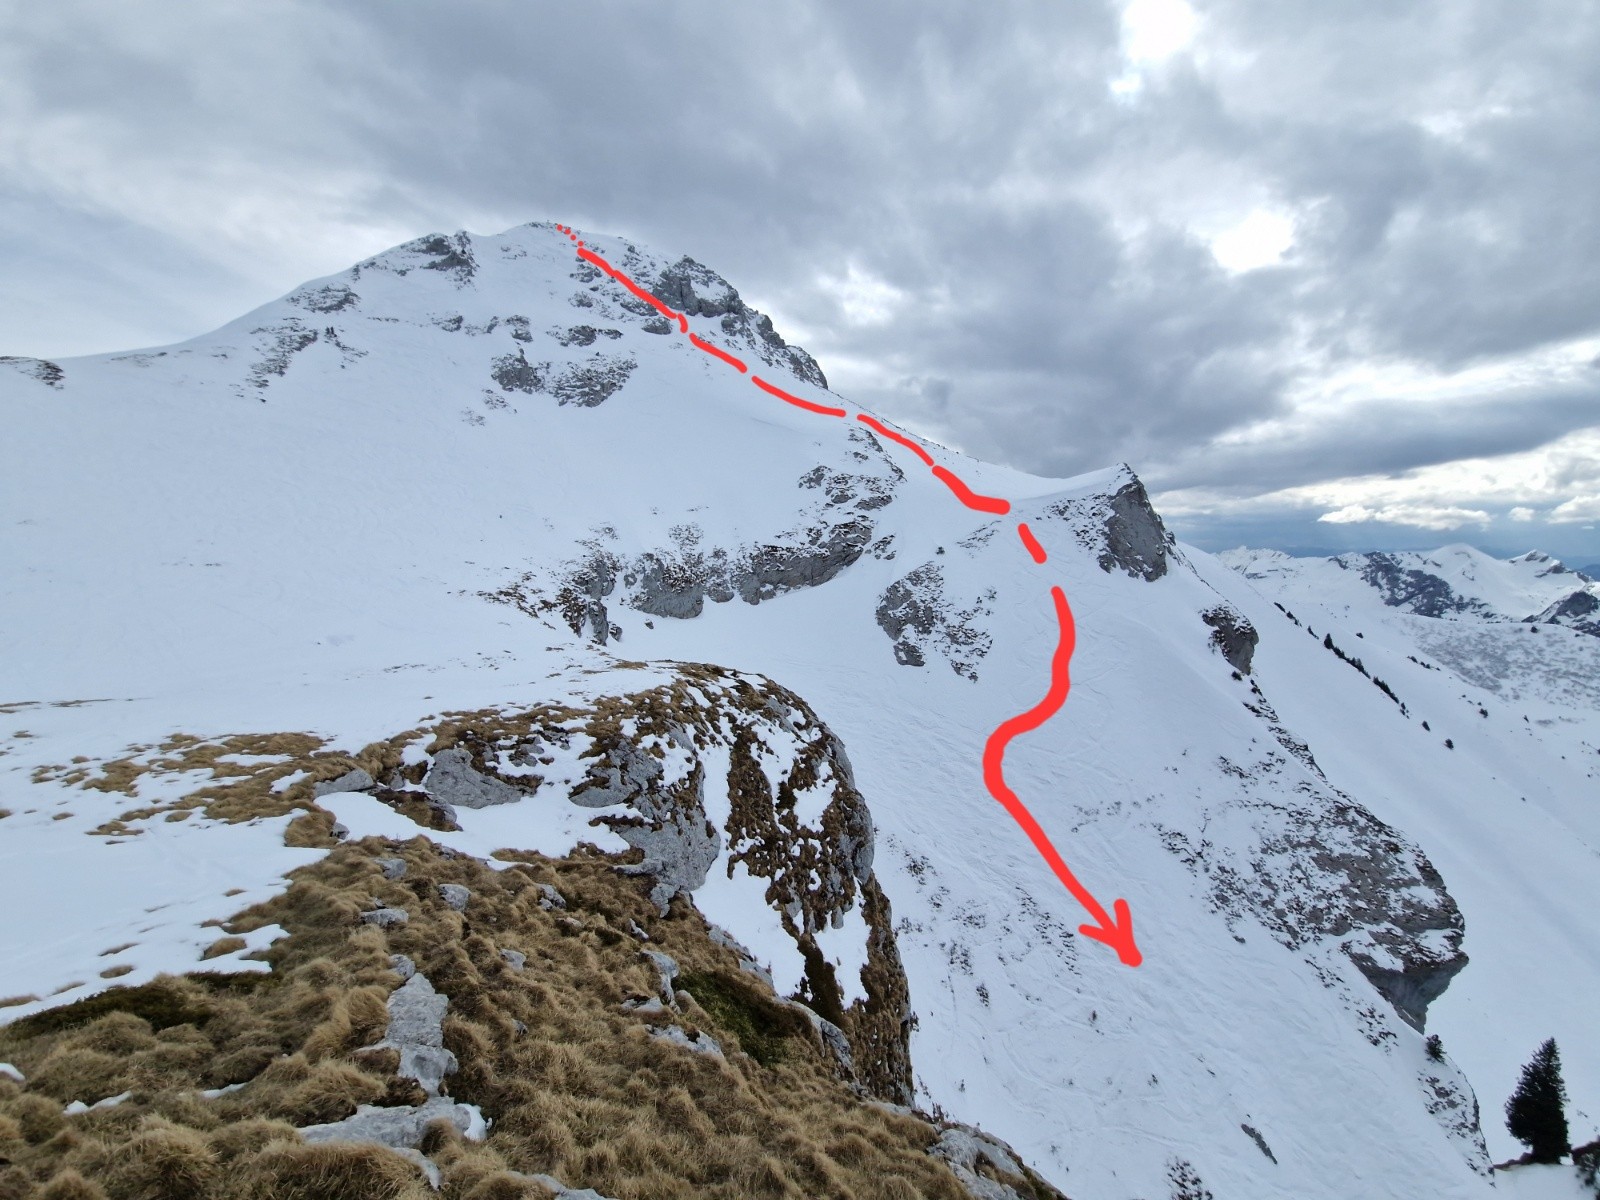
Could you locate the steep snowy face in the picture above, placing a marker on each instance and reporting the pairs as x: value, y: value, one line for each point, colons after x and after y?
x: 490, y: 474
x: 1499, y: 768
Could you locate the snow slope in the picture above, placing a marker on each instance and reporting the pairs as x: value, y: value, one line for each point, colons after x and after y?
x: 473, y: 469
x: 1509, y: 814
x: 1457, y: 582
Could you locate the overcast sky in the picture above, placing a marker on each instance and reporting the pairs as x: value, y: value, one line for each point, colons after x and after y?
x: 1326, y: 274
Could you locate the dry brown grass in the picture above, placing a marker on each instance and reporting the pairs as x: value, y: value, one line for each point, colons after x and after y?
x: 573, y: 1082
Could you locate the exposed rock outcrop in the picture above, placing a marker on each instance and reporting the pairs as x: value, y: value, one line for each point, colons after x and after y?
x: 1578, y: 610
x: 836, y: 527
x: 1318, y: 870
x: 988, y: 1168
x: 585, y: 384
x: 698, y: 291
x: 781, y: 805
x: 1411, y: 589
x: 453, y: 780
x: 416, y: 1034
x: 1233, y: 635
x: 1120, y: 527
x: 46, y: 372
x: 329, y: 298
x: 921, y: 619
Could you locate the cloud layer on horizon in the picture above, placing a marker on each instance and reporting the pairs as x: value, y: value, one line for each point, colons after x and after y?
x: 1004, y: 226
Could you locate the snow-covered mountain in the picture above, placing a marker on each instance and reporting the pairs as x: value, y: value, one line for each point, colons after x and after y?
x: 1457, y: 582
x: 473, y: 512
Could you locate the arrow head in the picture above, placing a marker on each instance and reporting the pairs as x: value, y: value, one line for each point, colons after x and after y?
x: 1117, y: 933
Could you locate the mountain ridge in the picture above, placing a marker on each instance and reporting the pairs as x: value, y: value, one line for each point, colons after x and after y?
x: 440, y: 507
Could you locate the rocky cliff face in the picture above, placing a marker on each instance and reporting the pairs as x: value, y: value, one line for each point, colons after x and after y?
x: 835, y: 519
x: 696, y: 289
x: 712, y: 776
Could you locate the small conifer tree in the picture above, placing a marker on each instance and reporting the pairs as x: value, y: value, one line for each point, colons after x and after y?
x: 1536, y: 1113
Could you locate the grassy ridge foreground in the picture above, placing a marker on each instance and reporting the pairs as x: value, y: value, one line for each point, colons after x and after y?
x: 574, y: 1084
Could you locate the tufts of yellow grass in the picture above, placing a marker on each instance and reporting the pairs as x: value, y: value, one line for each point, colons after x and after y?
x: 572, y: 1079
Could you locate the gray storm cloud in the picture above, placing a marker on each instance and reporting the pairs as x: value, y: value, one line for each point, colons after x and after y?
x: 969, y: 213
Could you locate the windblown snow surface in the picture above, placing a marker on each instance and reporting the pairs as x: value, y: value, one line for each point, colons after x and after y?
x: 354, y: 509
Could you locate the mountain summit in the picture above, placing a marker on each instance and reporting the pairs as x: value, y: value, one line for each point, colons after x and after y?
x: 531, y: 552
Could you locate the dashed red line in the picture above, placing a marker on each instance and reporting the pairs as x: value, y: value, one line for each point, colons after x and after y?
x: 621, y: 277
x: 880, y: 427
x: 1030, y: 542
x: 787, y: 398
x: 1115, y: 930
x: 969, y: 497
x: 718, y: 352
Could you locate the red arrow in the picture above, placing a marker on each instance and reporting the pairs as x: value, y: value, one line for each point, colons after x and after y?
x: 1118, y: 933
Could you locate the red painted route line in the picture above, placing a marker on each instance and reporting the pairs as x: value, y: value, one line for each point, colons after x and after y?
x: 896, y: 437
x: 1115, y: 930
x: 1030, y: 542
x: 665, y: 310
x: 1117, y: 934
x: 969, y: 497
x: 771, y: 390
x: 718, y: 352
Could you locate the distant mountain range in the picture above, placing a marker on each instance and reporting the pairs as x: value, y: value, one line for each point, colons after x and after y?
x: 1455, y: 582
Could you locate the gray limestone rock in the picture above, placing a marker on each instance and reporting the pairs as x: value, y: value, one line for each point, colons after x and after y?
x: 416, y: 1031
x: 453, y: 780
x: 1232, y: 634
x: 1136, y: 540
x: 392, y: 868
x: 514, y: 373
x: 668, y: 587
x: 386, y: 918
x: 330, y: 298
x: 1416, y: 982
x: 402, y: 966
x: 400, y: 1127
x: 455, y: 895
x: 277, y: 348
x: 351, y: 781
x: 46, y: 372
x: 772, y: 569
x: 670, y: 829
x: 585, y: 335
x: 1316, y: 869
x: 667, y: 970
x: 966, y: 1151
x: 1120, y: 528
x: 700, y: 1042
x: 799, y: 825
x: 593, y: 382
x: 624, y: 774
x: 562, y: 1191
x: 1410, y: 589
x: 697, y: 291
x: 747, y: 960
x: 516, y: 959
x: 450, y: 254
x: 1578, y: 610
x: 921, y: 620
